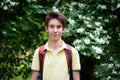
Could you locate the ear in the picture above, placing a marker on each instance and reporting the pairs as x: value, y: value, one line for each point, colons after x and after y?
x: 46, y: 28
x: 64, y: 29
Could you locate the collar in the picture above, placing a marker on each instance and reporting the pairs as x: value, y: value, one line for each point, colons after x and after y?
x: 63, y: 46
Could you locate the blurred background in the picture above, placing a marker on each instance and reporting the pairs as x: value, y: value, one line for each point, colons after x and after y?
x: 93, y: 28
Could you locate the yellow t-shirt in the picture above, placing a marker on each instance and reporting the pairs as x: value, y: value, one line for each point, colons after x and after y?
x: 55, y: 66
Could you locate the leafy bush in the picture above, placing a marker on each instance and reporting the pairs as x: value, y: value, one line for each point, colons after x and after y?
x: 93, y: 28
x: 90, y: 26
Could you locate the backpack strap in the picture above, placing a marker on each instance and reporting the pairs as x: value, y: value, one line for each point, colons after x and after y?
x: 69, y: 60
x: 41, y: 60
x: 68, y: 53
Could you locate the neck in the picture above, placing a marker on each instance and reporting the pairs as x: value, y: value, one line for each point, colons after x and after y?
x: 55, y: 44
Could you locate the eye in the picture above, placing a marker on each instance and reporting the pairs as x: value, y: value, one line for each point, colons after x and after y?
x: 59, y: 26
x: 51, y: 26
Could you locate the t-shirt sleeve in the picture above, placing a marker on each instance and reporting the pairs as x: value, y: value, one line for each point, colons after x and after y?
x: 35, y: 61
x: 75, y: 60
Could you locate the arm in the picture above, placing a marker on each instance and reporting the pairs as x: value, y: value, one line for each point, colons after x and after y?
x: 35, y: 65
x: 76, y: 67
x: 76, y: 75
x: 34, y: 75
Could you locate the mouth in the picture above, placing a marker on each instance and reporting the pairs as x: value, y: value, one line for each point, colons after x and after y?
x: 54, y: 35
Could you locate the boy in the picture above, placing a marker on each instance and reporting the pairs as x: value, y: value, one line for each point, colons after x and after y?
x: 55, y: 65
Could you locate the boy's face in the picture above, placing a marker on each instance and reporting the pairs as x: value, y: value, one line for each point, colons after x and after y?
x: 54, y: 29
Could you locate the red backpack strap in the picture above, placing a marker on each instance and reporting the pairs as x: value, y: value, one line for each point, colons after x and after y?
x: 41, y: 60
x: 68, y: 55
x: 69, y: 60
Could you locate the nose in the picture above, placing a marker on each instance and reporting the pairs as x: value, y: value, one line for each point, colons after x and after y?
x: 55, y: 29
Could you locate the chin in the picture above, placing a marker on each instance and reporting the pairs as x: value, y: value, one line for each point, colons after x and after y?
x: 55, y: 39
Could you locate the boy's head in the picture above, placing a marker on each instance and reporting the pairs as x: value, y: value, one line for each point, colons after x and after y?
x: 55, y: 15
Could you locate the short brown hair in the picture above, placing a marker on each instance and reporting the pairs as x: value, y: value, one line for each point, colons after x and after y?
x: 55, y: 15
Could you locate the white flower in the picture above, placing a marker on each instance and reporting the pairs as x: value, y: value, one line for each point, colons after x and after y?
x: 67, y: 30
x: 88, y: 25
x: 119, y: 72
x: 77, y: 41
x: 107, y: 42
x: 100, y: 17
x: 13, y: 23
x: 104, y: 31
x: 103, y: 64
x: 97, y: 23
x: 84, y: 53
x: 98, y: 57
x: 34, y: 0
x: 99, y: 29
x: 82, y: 47
x: 108, y: 78
x: 88, y: 18
x: 119, y: 36
x: 86, y: 22
x: 2, y: 3
x: 84, y: 17
x: 77, y: 47
x: 101, y: 41
x: 73, y: 3
x: 103, y: 7
x: 108, y: 37
x: 71, y: 21
x: 106, y: 20
x: 12, y: 3
x: 91, y: 35
x: 5, y: 7
x: 111, y: 58
x: 20, y: 17
x: 96, y: 32
x: 110, y: 65
x: 97, y: 49
x: 80, y: 16
x: 55, y: 9
x: 70, y: 9
x: 14, y: 29
x: 115, y: 62
x: 3, y: 32
x: 7, y: 0
x: 16, y: 3
x: 82, y: 5
x: 87, y: 41
x: 118, y: 5
x: 80, y: 30
x: 96, y: 72
x: 114, y: 72
x: 117, y: 65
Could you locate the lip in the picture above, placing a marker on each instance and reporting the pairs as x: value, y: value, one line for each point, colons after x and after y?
x: 54, y: 35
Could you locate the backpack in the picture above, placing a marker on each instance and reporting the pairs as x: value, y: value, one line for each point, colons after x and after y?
x: 68, y: 54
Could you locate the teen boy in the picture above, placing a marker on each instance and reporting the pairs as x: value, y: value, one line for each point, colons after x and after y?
x: 55, y: 65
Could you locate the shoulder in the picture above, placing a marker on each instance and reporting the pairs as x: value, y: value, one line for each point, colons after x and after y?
x: 36, y: 51
x: 39, y: 48
x: 74, y: 51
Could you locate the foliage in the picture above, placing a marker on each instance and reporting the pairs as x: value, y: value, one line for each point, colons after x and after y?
x: 93, y: 28
x: 109, y: 68
x: 21, y: 31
